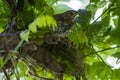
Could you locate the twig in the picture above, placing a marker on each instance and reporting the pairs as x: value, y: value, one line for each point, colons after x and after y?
x: 19, y: 45
x: 108, y: 49
x: 100, y: 56
x: 43, y: 78
x: 104, y: 12
x: 103, y: 60
x: 14, y: 62
x: 5, y: 73
x: 101, y: 51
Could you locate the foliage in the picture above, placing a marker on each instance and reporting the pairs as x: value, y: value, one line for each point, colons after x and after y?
x: 93, y: 38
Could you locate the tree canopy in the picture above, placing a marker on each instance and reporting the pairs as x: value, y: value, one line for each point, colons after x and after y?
x: 29, y: 49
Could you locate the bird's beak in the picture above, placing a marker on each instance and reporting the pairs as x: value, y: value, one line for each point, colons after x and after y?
x: 77, y: 14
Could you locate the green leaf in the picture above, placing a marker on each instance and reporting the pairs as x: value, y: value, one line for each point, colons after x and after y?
x: 84, y: 17
x: 105, y: 19
x: 117, y: 55
x: 51, y: 2
x: 1, y: 29
x: 115, y: 74
x: 115, y: 35
x: 25, y: 35
x: 94, y: 1
x: 93, y: 8
x: 45, y: 21
x: 101, y: 4
x: 90, y: 60
x: 1, y: 62
x: 116, y: 21
x: 22, y: 68
x: 100, y: 71
x: 61, y: 8
x: 68, y: 77
x: 78, y: 36
x: 33, y: 27
x: 39, y: 4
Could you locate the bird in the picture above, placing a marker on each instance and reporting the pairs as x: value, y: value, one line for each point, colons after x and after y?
x: 65, y: 21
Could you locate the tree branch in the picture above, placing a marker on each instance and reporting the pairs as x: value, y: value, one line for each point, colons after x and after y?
x: 101, y: 51
x: 104, y: 12
x: 5, y: 73
x: 100, y: 56
x: 102, y: 60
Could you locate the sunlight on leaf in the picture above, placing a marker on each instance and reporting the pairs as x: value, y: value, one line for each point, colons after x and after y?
x: 46, y: 21
x: 101, y: 4
x: 22, y: 68
x: 116, y: 55
x: 116, y: 21
x: 61, y: 8
x: 93, y: 41
x: 33, y: 27
x: 77, y: 36
x: 25, y: 35
x: 100, y: 70
x: 1, y: 62
x: 1, y: 29
x: 69, y: 77
x: 115, y: 74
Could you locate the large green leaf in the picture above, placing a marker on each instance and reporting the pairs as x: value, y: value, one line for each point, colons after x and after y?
x: 100, y: 71
x: 101, y: 4
x: 94, y: 1
x: 78, y: 36
x: 25, y: 35
x: 115, y: 74
x: 116, y: 55
x: 1, y: 62
x: 105, y: 19
x: 61, y: 8
x: 115, y: 35
x: 22, y: 68
x: 93, y: 8
x: 45, y: 21
x: 33, y: 27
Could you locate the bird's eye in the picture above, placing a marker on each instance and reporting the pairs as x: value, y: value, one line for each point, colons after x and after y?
x: 73, y: 12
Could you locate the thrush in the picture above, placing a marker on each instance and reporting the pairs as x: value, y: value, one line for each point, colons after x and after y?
x: 65, y: 21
